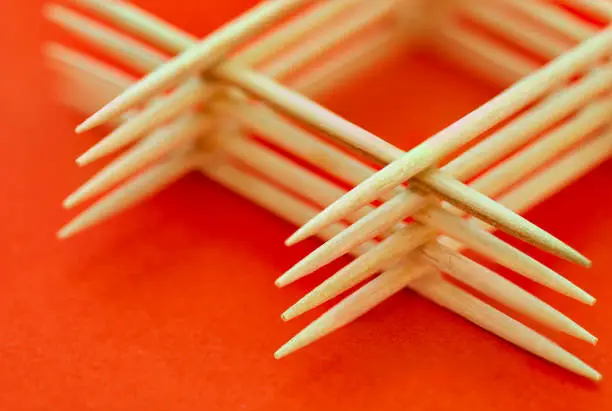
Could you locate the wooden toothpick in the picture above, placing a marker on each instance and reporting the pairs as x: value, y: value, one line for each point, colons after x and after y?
x: 363, y: 141
x: 297, y: 211
x: 455, y: 136
x: 394, y: 256
x: 197, y: 58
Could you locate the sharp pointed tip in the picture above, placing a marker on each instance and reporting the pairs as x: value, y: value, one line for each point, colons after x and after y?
x: 292, y: 312
x: 593, y: 375
x: 69, y: 202
x: 92, y: 154
x: 93, y: 121
x: 587, y: 298
x: 289, y: 277
x: 282, y: 352
x: 579, y: 332
x: 583, y: 261
x: 64, y: 233
x: 577, y: 293
x: 574, y: 256
x: 97, y: 119
x: 280, y: 282
x: 81, y: 128
x: 82, y: 161
x: 296, y: 237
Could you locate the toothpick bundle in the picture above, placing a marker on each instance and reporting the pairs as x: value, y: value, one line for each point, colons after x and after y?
x: 197, y: 112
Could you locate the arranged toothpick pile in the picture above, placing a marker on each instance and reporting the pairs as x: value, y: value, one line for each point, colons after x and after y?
x: 227, y: 86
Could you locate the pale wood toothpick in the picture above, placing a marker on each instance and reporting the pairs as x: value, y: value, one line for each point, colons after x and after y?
x: 160, y: 143
x: 355, y: 137
x: 115, y: 172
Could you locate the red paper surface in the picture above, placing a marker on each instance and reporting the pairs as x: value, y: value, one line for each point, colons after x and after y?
x: 171, y: 306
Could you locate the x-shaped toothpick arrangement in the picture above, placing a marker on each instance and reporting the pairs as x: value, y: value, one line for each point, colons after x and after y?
x: 551, y: 126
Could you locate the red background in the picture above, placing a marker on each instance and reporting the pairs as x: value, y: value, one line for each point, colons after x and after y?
x: 171, y: 306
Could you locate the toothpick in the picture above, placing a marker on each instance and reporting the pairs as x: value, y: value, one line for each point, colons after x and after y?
x: 550, y: 179
x: 452, y: 138
x: 380, y: 257
x: 447, y: 295
x: 351, y: 60
x: 476, y: 311
x: 283, y: 37
x: 118, y: 45
x: 353, y: 307
x: 504, y: 143
x: 137, y: 56
x: 492, y: 247
x: 560, y: 174
x: 515, y: 30
x: 70, y: 59
x: 506, y: 292
x: 310, y: 48
x: 492, y: 182
x: 486, y: 209
x: 158, y: 144
x: 289, y: 208
x: 267, y: 198
x: 487, y: 244
x: 555, y: 17
x: 600, y: 9
x: 264, y: 162
x: 198, y: 58
x: 370, y: 226
x: 101, y: 81
x: 477, y: 53
x: 159, y: 112
x: 136, y: 190
x: 546, y: 148
x: 362, y: 140
x: 529, y: 124
x: 278, y: 168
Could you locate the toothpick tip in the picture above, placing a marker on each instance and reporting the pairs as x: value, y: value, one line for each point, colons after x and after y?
x: 573, y: 291
x: 573, y: 255
x: 577, y: 331
x: 593, y: 375
x: 90, y: 155
x: 296, y: 237
x: 288, y: 315
x: 282, y: 352
x: 583, y: 261
x: 69, y: 202
x: 280, y: 282
x: 587, y: 298
x: 64, y: 233
x: 81, y: 161
x: 81, y: 128
x: 95, y: 120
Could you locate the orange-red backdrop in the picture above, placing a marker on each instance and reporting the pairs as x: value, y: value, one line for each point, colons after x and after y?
x: 171, y: 306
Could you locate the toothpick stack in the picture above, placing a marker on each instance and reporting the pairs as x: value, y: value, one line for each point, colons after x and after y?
x: 198, y: 111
